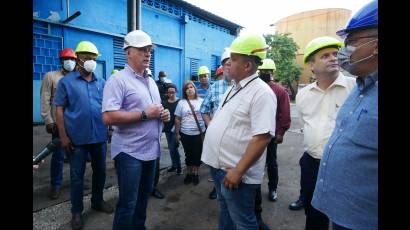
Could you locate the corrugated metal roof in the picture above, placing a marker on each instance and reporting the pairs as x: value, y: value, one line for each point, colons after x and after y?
x: 207, y: 15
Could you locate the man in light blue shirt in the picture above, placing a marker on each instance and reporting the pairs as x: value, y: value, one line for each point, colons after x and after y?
x: 132, y: 105
x: 82, y: 131
x: 347, y: 183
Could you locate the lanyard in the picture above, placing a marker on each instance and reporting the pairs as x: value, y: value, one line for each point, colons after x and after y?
x: 226, y: 101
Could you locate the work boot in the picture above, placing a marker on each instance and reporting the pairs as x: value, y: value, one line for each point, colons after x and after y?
x: 103, y: 207
x: 76, y: 221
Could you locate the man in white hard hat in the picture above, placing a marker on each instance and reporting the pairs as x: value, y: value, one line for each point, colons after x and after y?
x: 132, y: 105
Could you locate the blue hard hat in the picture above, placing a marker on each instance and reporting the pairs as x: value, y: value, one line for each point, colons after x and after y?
x: 366, y: 17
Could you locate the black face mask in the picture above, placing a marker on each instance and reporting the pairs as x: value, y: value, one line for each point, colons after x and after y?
x: 265, y: 77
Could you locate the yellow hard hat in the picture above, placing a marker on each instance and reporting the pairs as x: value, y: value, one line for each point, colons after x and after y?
x: 319, y: 43
x: 250, y: 44
x: 203, y: 70
x: 86, y: 46
x: 268, y: 64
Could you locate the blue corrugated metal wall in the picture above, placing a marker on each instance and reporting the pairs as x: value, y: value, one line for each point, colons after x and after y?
x: 181, y: 37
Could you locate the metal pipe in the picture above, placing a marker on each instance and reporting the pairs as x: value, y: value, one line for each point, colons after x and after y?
x: 138, y: 16
x: 67, y: 2
x: 131, y: 8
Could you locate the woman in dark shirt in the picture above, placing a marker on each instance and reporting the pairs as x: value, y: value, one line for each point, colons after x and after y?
x: 169, y: 129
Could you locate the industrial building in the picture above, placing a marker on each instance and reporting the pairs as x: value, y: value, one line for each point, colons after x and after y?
x: 185, y: 36
x: 305, y: 26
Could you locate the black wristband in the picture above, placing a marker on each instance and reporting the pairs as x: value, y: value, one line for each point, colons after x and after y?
x: 144, y: 116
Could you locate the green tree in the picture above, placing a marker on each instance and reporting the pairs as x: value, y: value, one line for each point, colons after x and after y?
x: 283, y: 51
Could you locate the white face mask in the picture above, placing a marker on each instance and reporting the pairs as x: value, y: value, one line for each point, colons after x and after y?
x: 69, y: 65
x: 90, y: 66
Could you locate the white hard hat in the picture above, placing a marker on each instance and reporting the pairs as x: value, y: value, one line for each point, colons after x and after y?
x: 137, y: 38
x: 226, y: 54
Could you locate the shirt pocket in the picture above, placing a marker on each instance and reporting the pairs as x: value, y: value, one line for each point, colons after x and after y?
x: 366, y: 132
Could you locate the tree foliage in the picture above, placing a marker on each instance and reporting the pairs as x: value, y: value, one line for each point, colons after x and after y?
x: 283, y: 51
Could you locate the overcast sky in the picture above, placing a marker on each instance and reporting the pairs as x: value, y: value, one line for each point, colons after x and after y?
x: 257, y: 15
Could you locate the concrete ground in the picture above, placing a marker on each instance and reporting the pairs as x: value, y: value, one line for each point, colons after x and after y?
x: 184, y: 206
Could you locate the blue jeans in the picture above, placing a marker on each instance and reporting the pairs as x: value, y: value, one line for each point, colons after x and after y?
x: 236, y: 207
x: 135, y: 184
x: 57, y: 165
x: 173, y: 150
x: 77, y: 168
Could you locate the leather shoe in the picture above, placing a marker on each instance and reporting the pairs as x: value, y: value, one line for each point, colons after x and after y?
x: 297, y: 205
x: 212, y: 194
x: 273, y: 195
x: 156, y: 193
x: 54, y: 193
x: 103, y: 207
x: 76, y: 221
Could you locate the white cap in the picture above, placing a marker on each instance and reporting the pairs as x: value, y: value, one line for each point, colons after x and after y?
x: 226, y: 54
x: 137, y: 38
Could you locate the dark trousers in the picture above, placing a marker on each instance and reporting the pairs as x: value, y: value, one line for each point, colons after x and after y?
x: 156, y: 179
x: 193, y: 149
x: 272, y: 165
x: 315, y: 220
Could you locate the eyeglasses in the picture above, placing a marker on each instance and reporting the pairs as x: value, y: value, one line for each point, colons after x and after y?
x: 145, y: 49
x: 350, y: 41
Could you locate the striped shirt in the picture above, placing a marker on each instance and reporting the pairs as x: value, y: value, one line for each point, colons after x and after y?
x: 213, y: 97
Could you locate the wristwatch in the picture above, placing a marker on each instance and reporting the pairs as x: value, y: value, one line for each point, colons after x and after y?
x: 144, y: 116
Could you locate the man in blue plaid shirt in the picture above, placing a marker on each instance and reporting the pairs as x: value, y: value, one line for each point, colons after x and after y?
x: 215, y: 92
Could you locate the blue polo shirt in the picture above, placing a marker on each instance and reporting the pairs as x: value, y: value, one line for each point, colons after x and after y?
x: 347, y: 183
x: 82, y: 108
